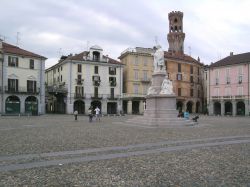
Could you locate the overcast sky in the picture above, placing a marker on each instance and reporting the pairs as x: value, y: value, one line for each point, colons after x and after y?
x: 52, y: 28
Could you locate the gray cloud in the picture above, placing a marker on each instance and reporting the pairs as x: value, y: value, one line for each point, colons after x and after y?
x: 213, y: 28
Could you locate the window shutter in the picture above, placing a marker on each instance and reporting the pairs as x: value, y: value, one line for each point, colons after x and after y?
x: 16, y: 84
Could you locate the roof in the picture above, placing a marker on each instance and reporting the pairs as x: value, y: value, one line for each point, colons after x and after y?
x: 180, y: 56
x: 8, y: 48
x: 97, y: 47
x: 83, y: 57
x: 232, y: 59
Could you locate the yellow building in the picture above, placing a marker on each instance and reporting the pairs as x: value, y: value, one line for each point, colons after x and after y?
x: 137, y: 74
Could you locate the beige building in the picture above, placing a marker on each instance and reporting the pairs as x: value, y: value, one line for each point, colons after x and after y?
x: 136, y: 75
x: 86, y: 79
x: 22, y: 81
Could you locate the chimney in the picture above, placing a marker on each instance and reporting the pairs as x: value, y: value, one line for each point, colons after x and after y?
x: 231, y: 53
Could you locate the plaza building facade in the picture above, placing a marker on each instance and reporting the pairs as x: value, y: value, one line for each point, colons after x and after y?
x: 228, y: 85
x: 137, y: 75
x: 86, y: 79
x: 22, y: 81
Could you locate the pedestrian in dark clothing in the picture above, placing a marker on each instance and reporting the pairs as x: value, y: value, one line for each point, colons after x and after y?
x: 90, y: 113
x: 75, y: 114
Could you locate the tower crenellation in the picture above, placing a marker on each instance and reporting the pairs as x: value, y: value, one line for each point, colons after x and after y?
x: 176, y: 35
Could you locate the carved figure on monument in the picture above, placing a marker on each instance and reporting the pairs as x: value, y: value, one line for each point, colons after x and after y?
x: 151, y: 91
x: 166, y: 86
x: 159, y: 64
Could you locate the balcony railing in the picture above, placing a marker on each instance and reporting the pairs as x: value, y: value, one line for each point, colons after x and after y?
x: 125, y: 95
x: 79, y: 96
x: 21, y: 90
x: 57, y: 89
x: 145, y: 80
x: 96, y: 96
x: 79, y: 81
x: 113, y: 97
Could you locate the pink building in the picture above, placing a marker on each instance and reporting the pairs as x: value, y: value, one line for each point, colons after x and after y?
x: 228, y: 86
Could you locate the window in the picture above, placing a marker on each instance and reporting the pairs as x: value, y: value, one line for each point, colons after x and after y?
x: 79, y: 79
x: 228, y: 91
x: 216, y: 92
x: 61, y: 68
x: 228, y: 80
x: 96, y: 69
x: 13, y: 61
x: 145, y: 62
x: 13, y: 85
x: 96, y: 92
x: 136, y: 61
x: 179, y: 77
x: 136, y: 88
x: 31, y: 86
x: 216, y: 81
x: 96, y: 80
x: 145, y: 75
x: 136, y: 74
x: 179, y: 68
x: 228, y: 75
x: 191, y: 92
x: 240, y: 74
x: 191, y: 79
x: 96, y: 56
x: 179, y: 91
x: 79, y: 91
x: 112, y: 81
x: 31, y: 64
x: 61, y: 78
x: 240, y: 90
x: 58, y: 69
x: 112, y: 70
x: 79, y: 68
x: 198, y: 71
x: 112, y: 92
x: 191, y: 70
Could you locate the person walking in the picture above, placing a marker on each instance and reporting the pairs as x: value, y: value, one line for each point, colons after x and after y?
x: 97, y: 113
x: 90, y: 113
x: 75, y: 114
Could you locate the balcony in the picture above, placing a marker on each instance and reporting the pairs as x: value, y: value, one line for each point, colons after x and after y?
x: 96, y: 83
x: 57, y: 89
x: 239, y: 96
x: 96, y: 96
x: 79, y: 96
x: 227, y: 97
x: 22, y: 90
x: 125, y: 95
x: 113, y: 97
x: 215, y: 97
x: 79, y: 81
x: 145, y: 80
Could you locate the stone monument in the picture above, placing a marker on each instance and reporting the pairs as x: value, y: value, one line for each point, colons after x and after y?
x: 160, y: 100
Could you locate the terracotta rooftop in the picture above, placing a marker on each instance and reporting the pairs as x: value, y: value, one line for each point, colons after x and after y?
x: 232, y: 59
x: 8, y: 48
x: 179, y: 56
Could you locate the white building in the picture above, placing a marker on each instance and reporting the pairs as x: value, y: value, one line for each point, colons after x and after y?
x: 22, y: 81
x: 87, y: 79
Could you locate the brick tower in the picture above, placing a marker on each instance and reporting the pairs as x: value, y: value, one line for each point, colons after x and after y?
x: 176, y: 36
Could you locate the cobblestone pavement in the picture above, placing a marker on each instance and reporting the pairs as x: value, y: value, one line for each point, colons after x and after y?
x: 55, y: 150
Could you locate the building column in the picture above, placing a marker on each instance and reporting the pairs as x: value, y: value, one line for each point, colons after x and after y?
x: 234, y: 107
x: 141, y: 107
x: 69, y: 105
x: 22, y: 104
x: 247, y: 108
x: 129, y: 107
x: 222, y: 104
x: 104, y: 106
x: 211, y: 108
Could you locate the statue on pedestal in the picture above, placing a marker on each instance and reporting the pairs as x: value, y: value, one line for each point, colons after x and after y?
x: 166, y: 86
x: 159, y: 63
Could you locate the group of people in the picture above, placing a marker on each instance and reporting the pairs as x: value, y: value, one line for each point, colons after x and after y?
x: 91, y: 113
x: 96, y: 112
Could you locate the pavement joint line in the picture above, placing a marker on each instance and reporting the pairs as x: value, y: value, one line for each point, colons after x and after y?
x: 60, y: 162
x: 115, y: 148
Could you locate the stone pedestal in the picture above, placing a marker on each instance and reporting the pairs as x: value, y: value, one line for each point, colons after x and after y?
x: 160, y: 108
